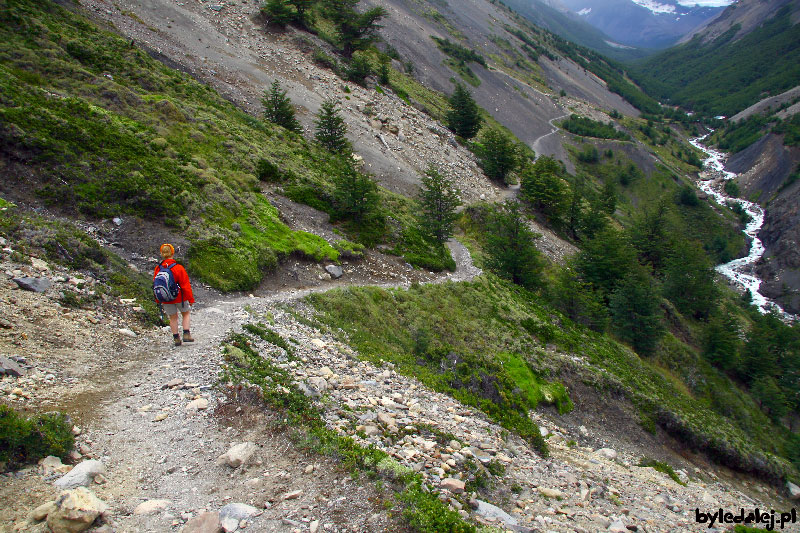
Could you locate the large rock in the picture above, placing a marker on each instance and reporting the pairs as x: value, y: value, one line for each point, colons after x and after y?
x: 238, y: 455
x: 617, y: 527
x: 33, y: 284
x: 151, y: 506
x: 75, y: 511
x: 794, y: 490
x: 82, y: 475
x: 456, y: 486
x: 319, y: 384
x: 232, y: 514
x: 608, y: 453
x: 335, y: 271
x: 52, y: 464
x: 203, y: 523
x: 9, y: 367
x: 41, y: 512
x: 550, y: 493
x: 492, y: 512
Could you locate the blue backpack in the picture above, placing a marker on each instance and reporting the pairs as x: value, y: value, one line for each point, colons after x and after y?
x: 165, y: 288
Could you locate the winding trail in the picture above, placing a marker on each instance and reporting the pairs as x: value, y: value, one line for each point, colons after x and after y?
x: 741, y: 272
x: 535, y: 145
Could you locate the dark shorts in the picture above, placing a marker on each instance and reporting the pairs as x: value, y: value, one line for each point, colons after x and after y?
x: 171, y: 309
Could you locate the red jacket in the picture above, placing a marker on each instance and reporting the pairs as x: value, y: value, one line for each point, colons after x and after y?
x: 182, y: 278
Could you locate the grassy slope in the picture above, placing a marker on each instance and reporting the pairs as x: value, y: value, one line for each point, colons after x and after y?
x: 484, y: 321
x: 107, y: 130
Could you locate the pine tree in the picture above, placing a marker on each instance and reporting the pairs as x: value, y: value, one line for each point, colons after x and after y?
x: 439, y: 200
x: 498, y: 156
x: 689, y: 280
x: 578, y: 300
x: 636, y: 313
x: 277, y: 12
x: 302, y: 7
x: 355, y: 194
x: 544, y: 189
x: 383, y: 70
x: 464, y: 117
x: 511, y: 247
x: 278, y: 108
x: 331, y: 128
x: 574, y: 215
x: 605, y: 260
x: 721, y: 340
x: 355, y: 31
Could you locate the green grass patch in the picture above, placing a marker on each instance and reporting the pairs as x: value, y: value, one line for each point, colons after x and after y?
x: 424, y: 252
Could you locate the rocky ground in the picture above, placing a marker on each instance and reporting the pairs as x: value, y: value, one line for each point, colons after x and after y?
x: 152, y: 424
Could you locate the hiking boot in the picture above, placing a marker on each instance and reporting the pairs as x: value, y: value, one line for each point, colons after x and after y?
x: 187, y: 337
x: 176, y: 340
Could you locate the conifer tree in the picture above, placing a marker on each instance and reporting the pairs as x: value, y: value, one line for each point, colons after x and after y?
x: 498, y: 155
x: 355, y: 194
x: 464, y: 117
x: 544, y: 189
x: 439, y: 200
x: 302, y: 7
x: 355, y: 31
x: 636, y: 312
x: 331, y: 128
x: 277, y: 12
x: 278, y: 108
x: 511, y: 247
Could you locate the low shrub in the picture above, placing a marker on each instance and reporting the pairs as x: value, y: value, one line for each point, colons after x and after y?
x: 25, y: 440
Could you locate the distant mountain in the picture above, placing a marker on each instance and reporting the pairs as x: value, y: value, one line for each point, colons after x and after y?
x: 556, y: 17
x: 646, y: 23
x: 751, y: 51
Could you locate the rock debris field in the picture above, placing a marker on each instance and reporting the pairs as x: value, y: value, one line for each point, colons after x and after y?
x: 162, y: 445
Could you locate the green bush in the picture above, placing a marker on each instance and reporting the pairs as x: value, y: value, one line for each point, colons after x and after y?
x: 26, y: 440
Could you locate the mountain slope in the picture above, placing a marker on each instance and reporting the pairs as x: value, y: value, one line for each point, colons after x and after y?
x: 723, y: 72
x: 643, y: 24
x: 509, y: 332
x: 573, y: 28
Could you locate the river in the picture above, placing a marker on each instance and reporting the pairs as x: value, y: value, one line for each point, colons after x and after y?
x: 741, y: 272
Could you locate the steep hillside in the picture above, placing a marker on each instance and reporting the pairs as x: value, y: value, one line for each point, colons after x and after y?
x: 571, y: 27
x: 748, y: 15
x: 651, y: 25
x: 732, y: 64
x: 489, y: 368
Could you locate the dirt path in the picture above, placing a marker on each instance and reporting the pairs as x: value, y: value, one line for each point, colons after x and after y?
x: 154, y: 415
x: 536, y: 144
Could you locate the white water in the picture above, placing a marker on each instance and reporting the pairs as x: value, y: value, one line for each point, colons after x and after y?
x: 740, y: 271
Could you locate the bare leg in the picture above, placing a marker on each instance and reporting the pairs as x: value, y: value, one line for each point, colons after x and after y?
x: 173, y: 323
x: 186, y: 321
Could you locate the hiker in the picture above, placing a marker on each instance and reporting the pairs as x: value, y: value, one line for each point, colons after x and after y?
x: 173, y: 291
